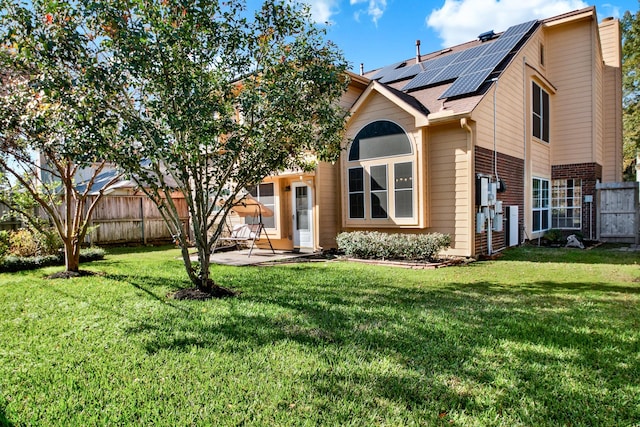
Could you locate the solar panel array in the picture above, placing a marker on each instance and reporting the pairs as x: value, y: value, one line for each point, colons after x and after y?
x: 468, y: 68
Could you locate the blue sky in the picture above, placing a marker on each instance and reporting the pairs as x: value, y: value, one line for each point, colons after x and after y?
x: 382, y: 32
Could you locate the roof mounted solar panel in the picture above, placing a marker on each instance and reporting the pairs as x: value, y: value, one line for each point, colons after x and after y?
x: 522, y: 28
x: 441, y: 61
x: 470, y: 67
x: 453, y: 71
x: 468, y: 83
x: 487, y: 61
x: 385, y: 70
x: 402, y: 73
x: 472, y: 52
x: 422, y: 79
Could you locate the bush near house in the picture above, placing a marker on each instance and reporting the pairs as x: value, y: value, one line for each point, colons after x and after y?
x: 377, y: 245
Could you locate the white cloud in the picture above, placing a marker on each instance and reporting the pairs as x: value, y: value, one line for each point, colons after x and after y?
x: 607, y: 9
x: 459, y: 21
x: 322, y: 10
x: 375, y: 9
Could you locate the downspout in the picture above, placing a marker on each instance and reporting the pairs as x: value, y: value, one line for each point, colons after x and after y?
x: 524, y: 139
x: 495, y: 169
x: 465, y: 125
x: 495, y: 149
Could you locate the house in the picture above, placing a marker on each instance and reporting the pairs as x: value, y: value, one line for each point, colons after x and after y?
x: 494, y: 142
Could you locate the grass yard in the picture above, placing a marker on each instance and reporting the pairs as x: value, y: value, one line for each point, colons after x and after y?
x: 539, y: 337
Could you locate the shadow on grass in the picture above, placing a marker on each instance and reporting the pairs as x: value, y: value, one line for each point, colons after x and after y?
x: 146, y: 284
x: 4, y: 421
x: 451, y: 341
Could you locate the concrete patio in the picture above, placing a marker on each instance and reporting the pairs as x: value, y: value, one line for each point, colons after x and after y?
x: 258, y: 256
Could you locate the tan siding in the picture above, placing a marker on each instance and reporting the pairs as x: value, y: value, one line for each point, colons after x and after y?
x: 510, y: 104
x: 612, y: 98
x: 378, y: 107
x: 349, y: 97
x: 450, y: 196
x: 570, y: 70
x: 540, y: 159
x: 327, y: 201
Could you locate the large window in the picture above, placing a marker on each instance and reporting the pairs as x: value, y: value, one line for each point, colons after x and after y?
x: 265, y: 194
x: 566, y: 202
x: 540, y: 113
x: 540, y: 205
x: 380, y: 173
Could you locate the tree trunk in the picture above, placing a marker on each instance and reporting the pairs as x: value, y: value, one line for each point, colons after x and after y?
x: 71, y: 256
x: 205, y: 262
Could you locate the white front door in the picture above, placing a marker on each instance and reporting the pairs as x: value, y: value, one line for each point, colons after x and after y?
x: 302, y: 216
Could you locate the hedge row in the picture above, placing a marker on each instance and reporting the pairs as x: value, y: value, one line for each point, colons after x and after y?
x: 12, y: 263
x: 377, y: 245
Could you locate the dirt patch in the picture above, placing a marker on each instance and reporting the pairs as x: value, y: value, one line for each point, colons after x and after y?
x: 215, y: 291
x: 70, y: 274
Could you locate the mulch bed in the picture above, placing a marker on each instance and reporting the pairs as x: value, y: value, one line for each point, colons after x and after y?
x: 198, y: 294
x: 71, y: 274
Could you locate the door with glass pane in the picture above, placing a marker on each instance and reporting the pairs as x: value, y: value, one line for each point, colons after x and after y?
x: 302, y: 216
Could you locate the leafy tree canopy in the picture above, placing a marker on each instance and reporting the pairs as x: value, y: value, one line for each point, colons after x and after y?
x: 217, y: 99
x: 56, y: 114
x: 631, y: 90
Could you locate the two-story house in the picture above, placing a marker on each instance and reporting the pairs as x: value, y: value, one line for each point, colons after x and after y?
x: 493, y: 142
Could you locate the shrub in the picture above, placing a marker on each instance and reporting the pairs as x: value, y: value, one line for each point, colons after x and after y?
x: 554, y: 237
x: 49, y: 243
x: 93, y: 253
x: 4, y: 243
x: 14, y: 263
x: 377, y: 245
x: 22, y: 243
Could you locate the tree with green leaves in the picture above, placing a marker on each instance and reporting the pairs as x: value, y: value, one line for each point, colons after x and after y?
x: 218, y: 99
x: 631, y: 91
x: 56, y: 117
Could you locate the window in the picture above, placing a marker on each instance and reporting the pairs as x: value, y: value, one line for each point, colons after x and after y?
x: 540, y: 113
x: 265, y: 194
x: 379, y: 139
x: 380, y: 173
x: 403, y: 174
x: 540, y: 205
x: 356, y: 193
x: 541, y: 54
x: 378, y: 191
x: 566, y: 202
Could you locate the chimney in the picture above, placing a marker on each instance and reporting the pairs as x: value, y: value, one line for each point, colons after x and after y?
x: 362, y: 69
x: 417, y: 51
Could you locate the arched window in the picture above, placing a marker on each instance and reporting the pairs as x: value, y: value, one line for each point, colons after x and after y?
x: 379, y: 139
x: 380, y: 173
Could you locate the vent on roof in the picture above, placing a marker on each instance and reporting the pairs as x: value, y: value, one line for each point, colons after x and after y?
x: 402, y: 65
x: 486, y: 36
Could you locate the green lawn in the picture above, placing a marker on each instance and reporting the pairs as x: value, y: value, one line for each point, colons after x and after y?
x: 539, y: 337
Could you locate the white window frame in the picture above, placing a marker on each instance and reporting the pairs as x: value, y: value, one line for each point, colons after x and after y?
x: 540, y: 205
x: 563, y: 199
x: 389, y: 163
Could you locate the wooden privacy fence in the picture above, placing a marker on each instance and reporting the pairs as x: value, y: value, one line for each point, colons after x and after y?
x: 618, y: 214
x: 132, y: 219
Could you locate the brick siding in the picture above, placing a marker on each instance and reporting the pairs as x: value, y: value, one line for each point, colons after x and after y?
x: 589, y: 173
x: 510, y: 171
